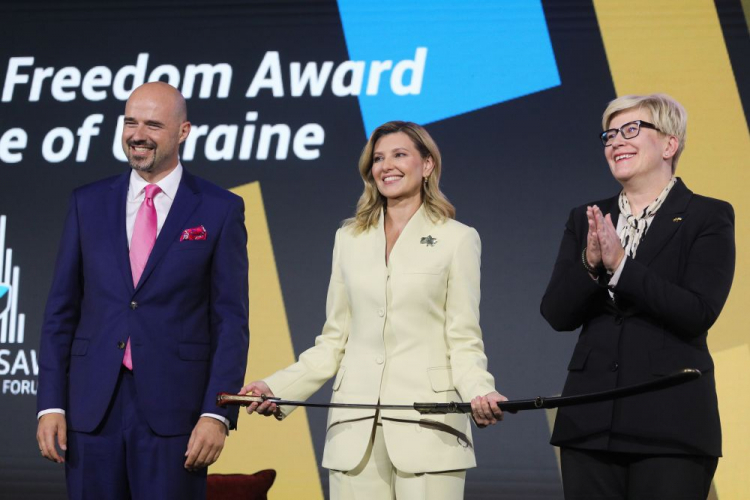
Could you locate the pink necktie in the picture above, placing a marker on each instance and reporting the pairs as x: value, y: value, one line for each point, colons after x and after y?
x: 144, y: 237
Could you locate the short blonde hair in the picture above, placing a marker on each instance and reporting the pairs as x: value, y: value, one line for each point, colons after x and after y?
x: 667, y: 115
x: 371, y: 202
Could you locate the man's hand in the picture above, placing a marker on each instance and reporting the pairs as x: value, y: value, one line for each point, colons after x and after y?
x: 206, y: 443
x: 52, y: 430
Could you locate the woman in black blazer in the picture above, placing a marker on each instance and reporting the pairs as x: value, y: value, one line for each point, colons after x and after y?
x: 646, y: 274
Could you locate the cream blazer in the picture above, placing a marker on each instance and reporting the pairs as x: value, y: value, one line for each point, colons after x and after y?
x: 402, y: 333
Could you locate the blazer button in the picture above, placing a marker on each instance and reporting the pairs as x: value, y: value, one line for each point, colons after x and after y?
x: 381, y: 312
x: 134, y: 305
x: 379, y: 360
x: 614, y: 366
x: 618, y: 319
x: 121, y: 345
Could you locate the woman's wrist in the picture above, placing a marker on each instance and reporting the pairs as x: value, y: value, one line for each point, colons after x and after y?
x: 592, y: 270
x: 617, y: 265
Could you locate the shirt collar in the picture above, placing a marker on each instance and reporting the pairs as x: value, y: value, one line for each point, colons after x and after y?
x: 168, y: 185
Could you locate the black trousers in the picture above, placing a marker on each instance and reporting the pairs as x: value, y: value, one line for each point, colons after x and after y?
x: 590, y: 475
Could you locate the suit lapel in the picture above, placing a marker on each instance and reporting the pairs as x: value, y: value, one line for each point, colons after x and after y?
x: 379, y: 236
x: 667, y: 221
x: 116, y: 223
x: 411, y: 233
x: 186, y: 200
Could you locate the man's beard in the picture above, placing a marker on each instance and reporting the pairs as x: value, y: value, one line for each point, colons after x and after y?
x: 142, y: 165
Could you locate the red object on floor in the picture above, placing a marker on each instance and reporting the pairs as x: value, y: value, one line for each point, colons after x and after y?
x: 240, y: 486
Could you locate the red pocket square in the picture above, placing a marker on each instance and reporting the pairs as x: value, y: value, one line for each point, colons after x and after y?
x: 196, y: 233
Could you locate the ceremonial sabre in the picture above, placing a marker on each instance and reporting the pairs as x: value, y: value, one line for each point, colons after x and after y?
x: 676, y: 378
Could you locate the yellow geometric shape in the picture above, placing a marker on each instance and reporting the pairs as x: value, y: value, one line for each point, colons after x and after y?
x: 551, y: 415
x: 677, y: 47
x: 732, y: 479
x: 260, y: 442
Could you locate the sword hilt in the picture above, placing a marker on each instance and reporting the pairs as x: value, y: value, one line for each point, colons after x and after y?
x: 226, y: 399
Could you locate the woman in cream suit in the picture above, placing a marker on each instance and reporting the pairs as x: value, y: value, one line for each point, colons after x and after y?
x: 402, y: 326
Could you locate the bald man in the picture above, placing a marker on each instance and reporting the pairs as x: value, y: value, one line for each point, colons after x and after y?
x: 146, y: 320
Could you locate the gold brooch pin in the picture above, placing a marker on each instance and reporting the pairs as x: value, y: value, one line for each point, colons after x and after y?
x: 677, y: 219
x: 428, y: 240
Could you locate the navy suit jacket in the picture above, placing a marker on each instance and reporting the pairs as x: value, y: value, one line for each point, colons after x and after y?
x: 665, y: 301
x: 187, y: 318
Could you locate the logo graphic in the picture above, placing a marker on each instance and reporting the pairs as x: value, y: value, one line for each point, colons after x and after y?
x: 11, y: 323
x: 18, y: 366
x: 456, y: 56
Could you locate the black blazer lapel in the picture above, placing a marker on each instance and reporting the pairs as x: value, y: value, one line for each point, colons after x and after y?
x: 185, y: 202
x: 667, y: 221
x: 611, y: 207
x: 116, y: 222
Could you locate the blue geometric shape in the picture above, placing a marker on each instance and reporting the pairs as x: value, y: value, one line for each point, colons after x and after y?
x: 479, y: 53
x: 4, y: 299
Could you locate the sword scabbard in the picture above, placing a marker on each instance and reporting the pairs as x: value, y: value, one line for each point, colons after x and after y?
x: 676, y: 378
x: 442, y: 408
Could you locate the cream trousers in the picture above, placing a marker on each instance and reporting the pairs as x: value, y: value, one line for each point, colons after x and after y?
x: 375, y: 478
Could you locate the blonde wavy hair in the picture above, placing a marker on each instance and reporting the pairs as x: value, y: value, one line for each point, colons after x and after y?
x: 667, y: 115
x: 436, y: 204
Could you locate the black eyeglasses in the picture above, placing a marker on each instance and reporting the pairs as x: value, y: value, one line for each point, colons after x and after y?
x: 628, y: 131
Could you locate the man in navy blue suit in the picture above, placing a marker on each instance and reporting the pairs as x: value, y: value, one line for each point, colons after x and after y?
x: 146, y: 320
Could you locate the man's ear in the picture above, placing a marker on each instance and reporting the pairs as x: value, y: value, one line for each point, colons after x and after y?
x: 184, y: 131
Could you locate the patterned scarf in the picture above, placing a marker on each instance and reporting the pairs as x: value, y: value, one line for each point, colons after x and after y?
x: 635, y: 228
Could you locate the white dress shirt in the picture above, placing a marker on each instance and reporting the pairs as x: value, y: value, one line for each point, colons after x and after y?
x: 162, y: 201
